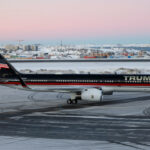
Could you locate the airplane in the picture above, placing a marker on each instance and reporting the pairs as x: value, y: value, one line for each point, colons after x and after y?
x: 89, y: 87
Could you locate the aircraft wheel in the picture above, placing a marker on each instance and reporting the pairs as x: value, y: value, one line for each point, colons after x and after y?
x: 75, y: 101
x: 69, y: 101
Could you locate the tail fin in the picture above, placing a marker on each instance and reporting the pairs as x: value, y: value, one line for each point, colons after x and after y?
x: 7, y: 70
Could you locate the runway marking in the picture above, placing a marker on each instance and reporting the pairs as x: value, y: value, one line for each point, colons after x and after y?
x: 89, y: 117
x: 72, y: 116
x: 126, y: 144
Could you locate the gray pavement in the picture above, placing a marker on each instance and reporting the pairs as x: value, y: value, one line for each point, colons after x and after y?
x: 25, y: 143
x: 45, y: 121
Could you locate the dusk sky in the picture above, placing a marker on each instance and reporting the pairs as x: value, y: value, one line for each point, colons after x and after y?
x: 75, y: 21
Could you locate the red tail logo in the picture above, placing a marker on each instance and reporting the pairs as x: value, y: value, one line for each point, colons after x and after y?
x: 4, y: 66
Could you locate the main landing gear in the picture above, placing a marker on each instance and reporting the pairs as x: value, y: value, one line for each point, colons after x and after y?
x: 70, y: 101
x: 74, y: 98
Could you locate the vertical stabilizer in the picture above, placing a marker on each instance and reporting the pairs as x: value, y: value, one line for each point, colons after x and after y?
x: 6, y: 69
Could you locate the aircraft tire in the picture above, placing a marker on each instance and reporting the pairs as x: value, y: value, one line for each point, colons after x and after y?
x: 69, y: 101
x: 75, y: 101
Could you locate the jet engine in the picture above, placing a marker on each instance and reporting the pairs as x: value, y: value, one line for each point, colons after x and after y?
x: 91, y: 94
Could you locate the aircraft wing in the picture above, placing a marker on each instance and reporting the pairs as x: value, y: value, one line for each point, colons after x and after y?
x: 60, y: 90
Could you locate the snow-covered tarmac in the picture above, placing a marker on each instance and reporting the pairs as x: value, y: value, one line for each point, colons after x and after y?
x: 120, y: 122
x: 122, y: 104
x: 81, y: 67
x: 23, y: 143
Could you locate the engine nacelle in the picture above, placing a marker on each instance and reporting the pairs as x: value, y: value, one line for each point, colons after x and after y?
x: 91, y: 94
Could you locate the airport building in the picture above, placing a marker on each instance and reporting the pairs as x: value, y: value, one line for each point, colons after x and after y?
x: 30, y: 47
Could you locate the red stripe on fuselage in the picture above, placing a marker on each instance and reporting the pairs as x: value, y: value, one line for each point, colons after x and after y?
x: 94, y: 84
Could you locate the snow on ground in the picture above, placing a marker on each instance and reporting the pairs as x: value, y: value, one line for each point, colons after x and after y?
x: 121, y: 104
x: 13, y: 100
x: 85, y: 67
x: 25, y: 143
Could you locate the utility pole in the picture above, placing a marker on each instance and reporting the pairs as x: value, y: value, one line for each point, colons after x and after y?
x: 61, y: 45
x: 19, y: 41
